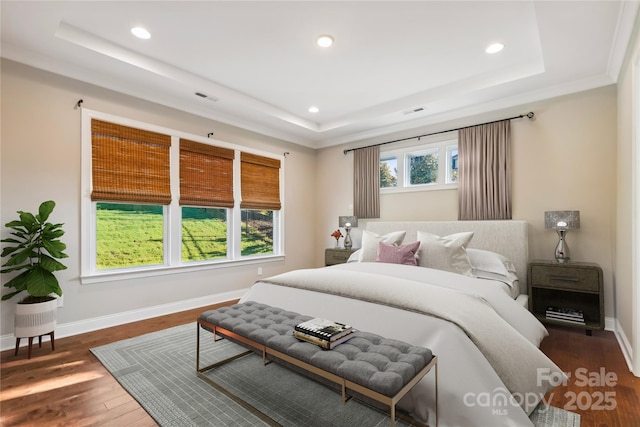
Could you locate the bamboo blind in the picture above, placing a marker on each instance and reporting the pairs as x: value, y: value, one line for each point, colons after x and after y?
x: 206, y: 175
x: 129, y: 165
x: 260, y: 182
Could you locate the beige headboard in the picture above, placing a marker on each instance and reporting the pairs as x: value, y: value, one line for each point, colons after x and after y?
x: 508, y: 238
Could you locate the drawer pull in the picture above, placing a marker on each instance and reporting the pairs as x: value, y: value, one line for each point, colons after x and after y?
x: 564, y: 278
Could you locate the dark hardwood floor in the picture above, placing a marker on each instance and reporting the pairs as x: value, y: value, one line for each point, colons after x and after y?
x: 600, y: 387
x: 69, y: 387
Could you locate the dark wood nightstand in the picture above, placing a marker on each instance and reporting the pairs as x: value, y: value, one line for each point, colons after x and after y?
x: 575, y: 285
x: 334, y: 256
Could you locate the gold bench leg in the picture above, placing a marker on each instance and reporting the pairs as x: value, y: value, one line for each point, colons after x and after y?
x: 392, y: 411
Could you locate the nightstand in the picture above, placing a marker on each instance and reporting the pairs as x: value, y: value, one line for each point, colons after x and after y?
x: 334, y: 256
x: 575, y: 285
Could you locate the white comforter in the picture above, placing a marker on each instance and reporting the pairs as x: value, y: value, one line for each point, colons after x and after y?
x: 489, y: 366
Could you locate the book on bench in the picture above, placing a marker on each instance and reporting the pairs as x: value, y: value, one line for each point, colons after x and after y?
x: 327, y: 345
x: 324, y: 329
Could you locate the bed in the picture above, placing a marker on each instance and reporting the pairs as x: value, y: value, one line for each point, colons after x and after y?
x: 463, y: 299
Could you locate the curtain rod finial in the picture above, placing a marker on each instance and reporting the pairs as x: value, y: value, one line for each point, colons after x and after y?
x: 79, y: 103
x: 531, y: 115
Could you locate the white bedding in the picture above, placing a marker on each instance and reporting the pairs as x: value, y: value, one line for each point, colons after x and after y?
x: 471, y: 391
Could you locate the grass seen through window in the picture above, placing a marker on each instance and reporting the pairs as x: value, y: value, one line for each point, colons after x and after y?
x: 131, y: 235
x: 128, y: 235
x: 204, y: 233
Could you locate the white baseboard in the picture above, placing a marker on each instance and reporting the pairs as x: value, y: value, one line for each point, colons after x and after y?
x: 88, y: 325
x: 625, y: 344
x: 610, y: 324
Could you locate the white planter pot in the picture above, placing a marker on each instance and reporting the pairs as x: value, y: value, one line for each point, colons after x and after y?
x: 33, y: 320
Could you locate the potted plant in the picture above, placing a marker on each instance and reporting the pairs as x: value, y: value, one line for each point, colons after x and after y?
x: 33, y: 251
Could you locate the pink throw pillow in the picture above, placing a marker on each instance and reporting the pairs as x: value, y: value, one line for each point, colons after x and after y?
x: 404, y: 254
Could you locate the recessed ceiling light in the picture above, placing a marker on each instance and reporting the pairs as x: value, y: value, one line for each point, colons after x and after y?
x: 141, y: 33
x: 324, y: 40
x: 313, y: 109
x: 495, y: 48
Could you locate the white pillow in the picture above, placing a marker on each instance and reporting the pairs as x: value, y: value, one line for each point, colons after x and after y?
x: 369, y: 249
x: 490, y: 262
x: 355, y: 257
x: 446, y: 253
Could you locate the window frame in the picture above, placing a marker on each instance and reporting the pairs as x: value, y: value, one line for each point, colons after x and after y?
x: 172, y: 212
x: 402, y: 153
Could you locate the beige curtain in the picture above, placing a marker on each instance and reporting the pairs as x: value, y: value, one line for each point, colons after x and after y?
x: 366, y: 182
x: 484, y: 168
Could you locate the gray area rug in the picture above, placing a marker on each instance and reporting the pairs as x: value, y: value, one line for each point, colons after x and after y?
x: 549, y: 416
x: 159, y: 371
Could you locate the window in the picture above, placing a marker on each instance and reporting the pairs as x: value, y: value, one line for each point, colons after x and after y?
x: 260, y: 200
x: 388, y: 172
x: 155, y: 200
x: 206, y: 192
x: 452, y: 164
x: 423, y: 167
x: 204, y: 233
x: 257, y: 232
x: 432, y: 166
x: 129, y: 235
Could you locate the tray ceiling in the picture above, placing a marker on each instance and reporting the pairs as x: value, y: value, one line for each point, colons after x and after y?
x: 393, y: 65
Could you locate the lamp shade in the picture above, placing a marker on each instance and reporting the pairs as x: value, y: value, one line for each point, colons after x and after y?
x: 347, y: 221
x: 562, y: 220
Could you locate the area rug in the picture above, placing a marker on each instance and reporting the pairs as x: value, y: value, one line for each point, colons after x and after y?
x: 158, y: 370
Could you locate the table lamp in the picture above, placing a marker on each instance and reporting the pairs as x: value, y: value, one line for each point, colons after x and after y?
x: 561, y: 221
x: 347, y: 222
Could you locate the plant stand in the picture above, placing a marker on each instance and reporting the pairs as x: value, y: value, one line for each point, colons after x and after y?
x: 35, y: 320
x: 51, y: 336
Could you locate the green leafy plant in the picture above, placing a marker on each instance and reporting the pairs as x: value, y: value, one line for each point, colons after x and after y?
x: 33, y: 249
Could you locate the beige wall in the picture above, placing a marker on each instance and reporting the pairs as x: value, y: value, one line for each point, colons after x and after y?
x: 564, y: 159
x: 40, y: 160
x: 628, y: 189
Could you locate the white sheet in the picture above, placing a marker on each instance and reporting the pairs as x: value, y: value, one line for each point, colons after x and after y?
x: 467, y: 382
x: 508, y: 283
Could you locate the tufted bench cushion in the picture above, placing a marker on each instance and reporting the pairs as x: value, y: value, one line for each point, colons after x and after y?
x: 380, y: 364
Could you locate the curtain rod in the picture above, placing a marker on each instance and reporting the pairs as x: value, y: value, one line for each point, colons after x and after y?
x: 530, y: 115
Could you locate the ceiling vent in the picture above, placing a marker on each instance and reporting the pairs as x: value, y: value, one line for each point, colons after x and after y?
x: 414, y: 110
x: 207, y: 97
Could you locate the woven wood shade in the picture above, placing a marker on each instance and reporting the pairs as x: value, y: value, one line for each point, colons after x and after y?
x: 206, y: 175
x: 260, y: 180
x: 129, y: 165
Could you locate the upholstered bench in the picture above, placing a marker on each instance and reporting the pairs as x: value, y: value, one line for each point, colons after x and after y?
x: 379, y: 368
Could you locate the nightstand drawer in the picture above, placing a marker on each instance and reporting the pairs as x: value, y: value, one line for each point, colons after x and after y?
x: 337, y: 256
x: 565, y: 277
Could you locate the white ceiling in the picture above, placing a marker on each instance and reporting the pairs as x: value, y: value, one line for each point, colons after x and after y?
x: 259, y: 64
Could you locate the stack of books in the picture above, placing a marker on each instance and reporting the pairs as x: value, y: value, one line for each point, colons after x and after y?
x: 565, y: 315
x: 323, y: 333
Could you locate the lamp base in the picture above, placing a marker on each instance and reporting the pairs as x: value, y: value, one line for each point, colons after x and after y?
x: 347, y: 239
x: 562, y: 249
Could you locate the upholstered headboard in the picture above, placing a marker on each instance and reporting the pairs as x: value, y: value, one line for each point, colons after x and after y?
x: 508, y: 238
